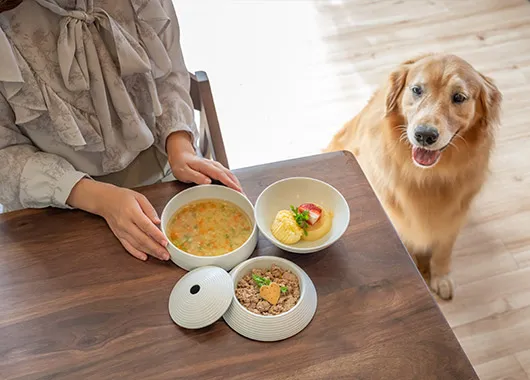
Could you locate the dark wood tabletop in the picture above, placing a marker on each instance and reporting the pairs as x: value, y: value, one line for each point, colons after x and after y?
x: 75, y: 305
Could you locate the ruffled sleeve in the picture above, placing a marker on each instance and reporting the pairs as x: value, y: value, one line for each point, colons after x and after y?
x: 28, y: 178
x: 159, y: 31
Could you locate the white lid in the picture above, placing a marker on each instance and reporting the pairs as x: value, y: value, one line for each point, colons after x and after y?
x: 201, y: 297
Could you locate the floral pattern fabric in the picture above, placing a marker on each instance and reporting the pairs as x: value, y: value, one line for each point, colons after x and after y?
x: 85, y: 86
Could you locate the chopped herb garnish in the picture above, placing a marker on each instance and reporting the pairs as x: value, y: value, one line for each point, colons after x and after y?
x: 301, y: 218
x: 260, y: 281
x: 283, y: 289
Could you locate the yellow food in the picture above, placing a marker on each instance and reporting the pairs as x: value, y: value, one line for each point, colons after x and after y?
x: 209, y: 228
x: 320, y: 228
x: 270, y: 293
x: 285, y: 229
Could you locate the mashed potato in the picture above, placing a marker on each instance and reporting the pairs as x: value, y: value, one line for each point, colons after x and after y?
x: 285, y: 229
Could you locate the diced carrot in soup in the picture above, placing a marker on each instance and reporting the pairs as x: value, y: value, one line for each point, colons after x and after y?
x: 209, y: 228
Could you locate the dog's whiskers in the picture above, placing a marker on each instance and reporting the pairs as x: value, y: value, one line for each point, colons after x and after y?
x: 463, y: 139
x: 404, y: 138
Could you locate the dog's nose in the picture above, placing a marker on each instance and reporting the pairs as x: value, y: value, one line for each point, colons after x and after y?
x: 425, y: 135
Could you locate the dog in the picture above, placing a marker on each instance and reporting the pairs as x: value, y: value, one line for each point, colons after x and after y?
x: 424, y: 142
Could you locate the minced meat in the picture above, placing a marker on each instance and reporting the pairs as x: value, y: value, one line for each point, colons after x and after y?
x: 247, y: 291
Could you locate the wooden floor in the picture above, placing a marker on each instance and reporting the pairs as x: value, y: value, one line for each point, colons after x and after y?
x: 287, y: 74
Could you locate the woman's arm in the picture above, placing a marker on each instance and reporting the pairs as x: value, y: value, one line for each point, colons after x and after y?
x: 176, y: 130
x: 174, y: 88
x: 33, y: 179
x: 30, y: 178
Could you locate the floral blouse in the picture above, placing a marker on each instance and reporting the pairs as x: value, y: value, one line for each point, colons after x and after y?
x: 85, y: 86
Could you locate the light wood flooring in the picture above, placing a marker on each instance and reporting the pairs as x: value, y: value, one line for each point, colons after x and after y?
x: 287, y: 74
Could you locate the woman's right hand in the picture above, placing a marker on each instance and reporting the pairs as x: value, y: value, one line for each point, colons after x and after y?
x: 129, y: 215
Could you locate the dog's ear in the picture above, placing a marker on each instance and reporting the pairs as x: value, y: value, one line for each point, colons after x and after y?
x: 396, y: 82
x: 490, y: 100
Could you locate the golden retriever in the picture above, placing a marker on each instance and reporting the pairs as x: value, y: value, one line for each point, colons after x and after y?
x: 424, y: 141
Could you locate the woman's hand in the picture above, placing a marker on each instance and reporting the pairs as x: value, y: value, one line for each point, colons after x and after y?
x: 129, y: 215
x: 189, y: 168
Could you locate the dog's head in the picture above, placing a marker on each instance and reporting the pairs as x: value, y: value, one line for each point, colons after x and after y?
x: 440, y: 99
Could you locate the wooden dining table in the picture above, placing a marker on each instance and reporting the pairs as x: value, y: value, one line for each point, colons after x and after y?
x: 75, y: 305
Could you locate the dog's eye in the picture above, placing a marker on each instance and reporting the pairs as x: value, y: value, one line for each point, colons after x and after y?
x: 416, y: 90
x: 459, y: 98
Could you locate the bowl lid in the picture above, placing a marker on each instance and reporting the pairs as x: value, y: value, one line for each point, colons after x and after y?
x: 201, y: 297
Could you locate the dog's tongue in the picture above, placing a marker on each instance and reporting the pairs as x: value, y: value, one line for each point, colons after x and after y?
x: 425, y: 157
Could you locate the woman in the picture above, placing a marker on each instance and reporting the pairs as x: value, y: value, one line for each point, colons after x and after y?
x: 94, y: 99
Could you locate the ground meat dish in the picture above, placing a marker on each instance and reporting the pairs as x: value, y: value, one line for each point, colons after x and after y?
x: 247, y: 291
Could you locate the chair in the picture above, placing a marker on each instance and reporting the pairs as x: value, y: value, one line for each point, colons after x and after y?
x: 211, y: 142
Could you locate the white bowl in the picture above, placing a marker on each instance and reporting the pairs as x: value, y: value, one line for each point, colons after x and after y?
x: 226, y: 261
x: 271, y: 328
x: 295, y: 191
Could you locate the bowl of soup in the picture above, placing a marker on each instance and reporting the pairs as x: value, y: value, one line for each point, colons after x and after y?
x: 209, y: 225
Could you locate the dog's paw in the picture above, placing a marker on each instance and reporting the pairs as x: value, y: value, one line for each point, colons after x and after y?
x: 443, y: 286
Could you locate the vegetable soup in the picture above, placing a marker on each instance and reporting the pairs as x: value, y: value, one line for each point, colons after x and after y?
x: 209, y: 228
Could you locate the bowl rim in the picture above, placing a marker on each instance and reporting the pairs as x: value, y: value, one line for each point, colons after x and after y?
x: 272, y: 259
x: 193, y: 188
x: 293, y: 248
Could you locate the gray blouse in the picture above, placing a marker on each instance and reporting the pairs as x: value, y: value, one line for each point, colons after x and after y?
x: 85, y: 86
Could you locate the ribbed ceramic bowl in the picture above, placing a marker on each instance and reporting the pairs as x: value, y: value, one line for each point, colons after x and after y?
x: 295, y: 191
x: 226, y: 261
x: 276, y: 327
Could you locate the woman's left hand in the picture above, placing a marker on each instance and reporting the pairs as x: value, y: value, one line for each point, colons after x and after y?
x: 189, y: 168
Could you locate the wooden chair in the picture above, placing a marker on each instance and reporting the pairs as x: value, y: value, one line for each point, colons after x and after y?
x: 211, y: 142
